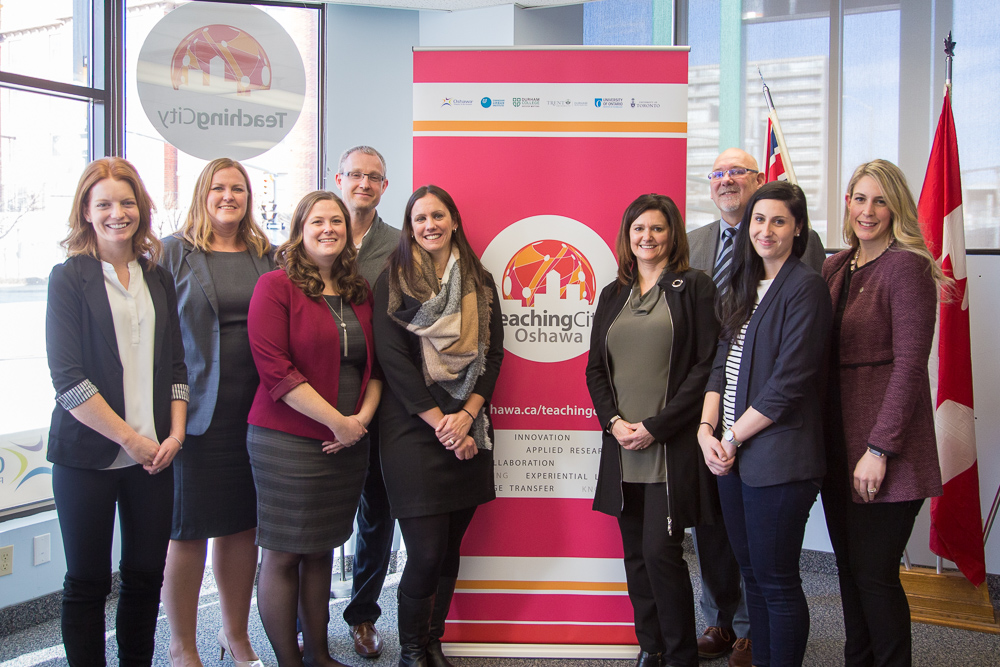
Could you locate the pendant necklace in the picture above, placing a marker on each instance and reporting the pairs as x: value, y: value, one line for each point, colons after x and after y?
x: 339, y: 318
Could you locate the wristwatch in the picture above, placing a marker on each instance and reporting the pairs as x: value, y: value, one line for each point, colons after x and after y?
x: 730, y: 437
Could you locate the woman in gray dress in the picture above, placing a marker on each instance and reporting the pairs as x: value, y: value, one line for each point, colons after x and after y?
x: 215, y: 259
x: 311, y: 336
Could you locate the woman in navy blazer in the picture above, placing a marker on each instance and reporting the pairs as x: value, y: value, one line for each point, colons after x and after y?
x: 763, y: 396
x: 117, y: 362
x: 216, y: 259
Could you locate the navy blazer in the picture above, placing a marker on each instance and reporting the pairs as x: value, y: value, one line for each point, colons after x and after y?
x: 784, y: 356
x: 83, y: 357
x: 198, y: 307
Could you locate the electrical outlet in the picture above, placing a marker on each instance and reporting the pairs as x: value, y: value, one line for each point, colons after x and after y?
x: 6, y: 560
x: 42, y: 548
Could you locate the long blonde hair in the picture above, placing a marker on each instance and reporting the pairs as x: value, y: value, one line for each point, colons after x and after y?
x: 82, y: 239
x: 905, y: 225
x: 197, y: 229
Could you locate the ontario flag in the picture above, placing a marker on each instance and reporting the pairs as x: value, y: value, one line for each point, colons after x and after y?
x: 956, y: 521
x: 777, y: 164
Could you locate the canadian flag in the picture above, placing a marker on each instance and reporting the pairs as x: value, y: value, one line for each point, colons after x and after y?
x: 956, y: 520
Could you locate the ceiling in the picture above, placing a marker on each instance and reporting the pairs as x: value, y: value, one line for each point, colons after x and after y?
x: 456, y: 5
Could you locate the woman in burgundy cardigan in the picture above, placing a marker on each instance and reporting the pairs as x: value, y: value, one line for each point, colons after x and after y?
x: 311, y: 337
x: 881, y: 449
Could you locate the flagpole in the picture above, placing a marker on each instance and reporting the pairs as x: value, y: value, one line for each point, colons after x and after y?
x: 949, y: 56
x: 778, y: 134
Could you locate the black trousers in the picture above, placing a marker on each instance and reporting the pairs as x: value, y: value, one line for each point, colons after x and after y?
x: 374, y: 540
x: 868, y: 541
x: 659, y: 585
x: 86, y: 501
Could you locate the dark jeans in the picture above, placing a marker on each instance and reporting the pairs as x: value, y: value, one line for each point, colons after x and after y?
x: 86, y: 501
x: 659, y: 585
x: 374, y: 540
x: 868, y: 540
x: 766, y: 527
x: 433, y: 550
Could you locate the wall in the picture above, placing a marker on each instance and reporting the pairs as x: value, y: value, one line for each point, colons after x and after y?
x: 370, y: 93
x: 29, y: 581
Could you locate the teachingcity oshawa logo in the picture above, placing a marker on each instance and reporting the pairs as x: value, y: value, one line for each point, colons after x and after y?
x: 550, y: 269
x: 220, y: 80
x: 221, y: 56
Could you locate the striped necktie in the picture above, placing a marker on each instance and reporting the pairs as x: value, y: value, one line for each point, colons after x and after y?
x: 725, y: 261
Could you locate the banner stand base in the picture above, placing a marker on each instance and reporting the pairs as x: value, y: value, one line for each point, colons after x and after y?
x: 948, y: 599
x: 592, y: 651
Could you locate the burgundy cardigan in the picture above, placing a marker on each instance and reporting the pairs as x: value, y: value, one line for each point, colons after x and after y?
x: 884, y: 345
x: 295, y: 339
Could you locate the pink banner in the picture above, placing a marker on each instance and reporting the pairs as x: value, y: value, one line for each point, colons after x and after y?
x: 542, y: 151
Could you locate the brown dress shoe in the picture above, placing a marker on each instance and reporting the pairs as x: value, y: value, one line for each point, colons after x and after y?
x: 741, y: 656
x: 715, y: 642
x: 367, y: 641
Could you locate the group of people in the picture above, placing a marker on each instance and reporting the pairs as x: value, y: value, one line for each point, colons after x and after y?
x: 210, y: 385
x: 737, y: 374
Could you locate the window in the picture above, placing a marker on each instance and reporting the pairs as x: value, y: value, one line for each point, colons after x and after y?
x: 53, y: 111
x: 57, y: 113
x: 279, y: 177
x: 847, y: 88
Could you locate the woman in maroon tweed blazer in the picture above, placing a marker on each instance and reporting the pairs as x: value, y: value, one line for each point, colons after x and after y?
x: 882, y: 455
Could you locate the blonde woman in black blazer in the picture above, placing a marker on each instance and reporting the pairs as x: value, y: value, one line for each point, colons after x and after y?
x: 117, y: 364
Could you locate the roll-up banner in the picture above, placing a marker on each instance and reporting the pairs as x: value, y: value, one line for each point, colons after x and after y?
x: 543, y: 149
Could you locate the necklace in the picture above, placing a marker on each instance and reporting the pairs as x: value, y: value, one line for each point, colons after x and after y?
x: 339, y: 318
x: 854, y: 260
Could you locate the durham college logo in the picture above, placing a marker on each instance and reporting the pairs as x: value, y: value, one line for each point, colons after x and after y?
x: 220, y: 81
x: 549, y: 285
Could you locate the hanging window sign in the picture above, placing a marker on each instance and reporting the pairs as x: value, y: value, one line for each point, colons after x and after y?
x: 220, y: 80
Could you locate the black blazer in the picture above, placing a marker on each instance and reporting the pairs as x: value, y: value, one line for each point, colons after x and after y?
x: 784, y: 356
x: 82, y: 347
x: 693, y: 498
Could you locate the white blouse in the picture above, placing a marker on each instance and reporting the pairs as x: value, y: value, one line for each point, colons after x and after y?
x: 135, y: 326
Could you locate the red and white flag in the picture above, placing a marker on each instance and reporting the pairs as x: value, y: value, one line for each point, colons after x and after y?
x: 777, y: 164
x: 956, y: 520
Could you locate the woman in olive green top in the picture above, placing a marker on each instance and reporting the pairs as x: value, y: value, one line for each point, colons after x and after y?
x: 651, y: 353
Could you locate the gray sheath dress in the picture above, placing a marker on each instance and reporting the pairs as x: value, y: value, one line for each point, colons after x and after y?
x: 213, y: 484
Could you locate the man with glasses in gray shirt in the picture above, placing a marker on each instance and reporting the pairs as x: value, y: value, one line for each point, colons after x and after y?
x: 361, y: 177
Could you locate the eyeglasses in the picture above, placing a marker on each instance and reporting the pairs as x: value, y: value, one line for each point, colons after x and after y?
x: 358, y: 176
x: 735, y: 172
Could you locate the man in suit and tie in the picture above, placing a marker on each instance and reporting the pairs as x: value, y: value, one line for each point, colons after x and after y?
x: 734, y: 177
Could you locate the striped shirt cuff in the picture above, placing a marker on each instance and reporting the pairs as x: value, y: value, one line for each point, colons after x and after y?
x: 180, y: 392
x: 77, y: 395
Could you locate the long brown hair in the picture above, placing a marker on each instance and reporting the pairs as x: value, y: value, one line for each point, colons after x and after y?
x: 197, y: 229
x: 292, y: 257
x: 82, y: 239
x: 401, y: 263
x: 677, y: 261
